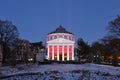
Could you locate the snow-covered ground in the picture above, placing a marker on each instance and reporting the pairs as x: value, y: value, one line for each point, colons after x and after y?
x: 56, y: 71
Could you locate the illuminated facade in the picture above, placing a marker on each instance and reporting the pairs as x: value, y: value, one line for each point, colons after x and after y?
x: 60, y: 45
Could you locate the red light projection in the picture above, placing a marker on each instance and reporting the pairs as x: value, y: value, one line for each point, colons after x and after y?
x: 55, y: 49
x: 70, y: 52
x: 50, y: 49
x: 65, y: 49
x: 50, y: 52
x: 60, y: 49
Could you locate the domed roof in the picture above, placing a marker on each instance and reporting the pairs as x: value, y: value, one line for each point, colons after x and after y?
x: 60, y: 29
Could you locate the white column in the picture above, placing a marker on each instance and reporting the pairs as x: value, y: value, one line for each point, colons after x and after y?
x: 63, y: 53
x: 68, y: 52
x: 73, y: 52
x: 48, y: 53
x: 58, y: 52
x: 53, y: 52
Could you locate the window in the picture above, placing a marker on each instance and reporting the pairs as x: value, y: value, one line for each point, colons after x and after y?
x: 55, y: 37
x: 73, y: 38
x: 50, y: 37
x: 65, y: 36
x: 69, y: 37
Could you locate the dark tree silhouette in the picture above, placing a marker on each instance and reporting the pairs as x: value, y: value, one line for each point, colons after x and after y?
x: 109, y: 46
x: 96, y: 46
x: 115, y: 56
x: 114, y: 43
x: 111, y: 41
x: 97, y: 49
x: 82, y: 49
x: 8, y: 32
x: 114, y: 27
x: 8, y: 35
x: 106, y: 39
x: 115, y: 49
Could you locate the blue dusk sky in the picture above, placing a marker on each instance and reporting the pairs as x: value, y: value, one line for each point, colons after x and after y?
x: 34, y: 19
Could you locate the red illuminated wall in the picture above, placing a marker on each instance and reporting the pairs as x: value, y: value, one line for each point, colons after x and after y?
x: 60, y: 49
x: 70, y: 48
x: 55, y: 49
x: 70, y: 52
x: 65, y: 49
x: 50, y: 52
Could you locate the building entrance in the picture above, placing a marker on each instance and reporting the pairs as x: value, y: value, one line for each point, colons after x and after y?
x: 60, y: 57
x: 65, y: 57
x: 55, y: 57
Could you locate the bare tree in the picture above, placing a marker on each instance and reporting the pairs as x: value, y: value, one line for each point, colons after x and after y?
x: 114, y: 27
x: 8, y: 32
x: 8, y: 35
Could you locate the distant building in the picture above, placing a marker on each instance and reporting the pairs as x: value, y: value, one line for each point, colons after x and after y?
x: 60, y: 45
x: 29, y: 51
x: 38, y: 51
x: 23, y: 50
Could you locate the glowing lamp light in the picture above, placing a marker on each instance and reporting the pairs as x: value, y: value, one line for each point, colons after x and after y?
x: 65, y: 56
x: 119, y: 57
x: 55, y: 56
x: 110, y: 57
x: 18, y: 59
x: 31, y: 59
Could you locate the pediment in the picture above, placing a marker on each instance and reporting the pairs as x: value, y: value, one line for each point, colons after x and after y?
x: 61, y: 40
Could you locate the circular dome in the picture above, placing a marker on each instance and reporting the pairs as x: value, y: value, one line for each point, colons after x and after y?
x: 60, y: 29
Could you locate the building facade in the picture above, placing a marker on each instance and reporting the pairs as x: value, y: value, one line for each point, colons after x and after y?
x: 23, y: 50
x: 60, y: 45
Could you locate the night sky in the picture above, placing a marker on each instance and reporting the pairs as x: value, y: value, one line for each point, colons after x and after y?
x: 34, y: 19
